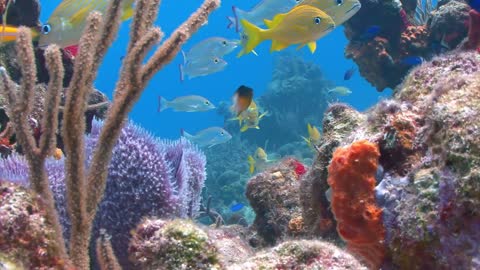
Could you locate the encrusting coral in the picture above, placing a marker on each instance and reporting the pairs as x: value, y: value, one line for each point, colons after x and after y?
x: 351, y: 176
x: 86, y: 186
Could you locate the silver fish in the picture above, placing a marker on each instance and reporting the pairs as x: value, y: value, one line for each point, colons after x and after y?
x: 210, y: 47
x: 186, y: 104
x: 202, y: 67
x: 265, y: 9
x: 209, y: 137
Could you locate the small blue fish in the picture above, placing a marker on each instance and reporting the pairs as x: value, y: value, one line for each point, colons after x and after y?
x: 236, y: 207
x: 349, y: 73
x: 191, y: 103
x: 475, y: 4
x: 210, y: 47
x: 370, y: 33
x: 412, y: 61
x: 208, y: 137
x: 201, y: 67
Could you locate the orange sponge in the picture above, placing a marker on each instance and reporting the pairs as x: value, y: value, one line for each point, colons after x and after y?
x: 351, y: 176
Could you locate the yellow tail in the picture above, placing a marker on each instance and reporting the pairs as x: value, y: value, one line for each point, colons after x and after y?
x: 254, y: 34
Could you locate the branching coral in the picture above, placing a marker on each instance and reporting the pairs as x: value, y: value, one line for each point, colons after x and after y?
x: 85, y: 188
x: 359, y: 220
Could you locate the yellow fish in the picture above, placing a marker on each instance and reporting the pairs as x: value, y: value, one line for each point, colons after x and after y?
x: 313, y: 136
x: 9, y: 33
x: 66, y: 24
x: 259, y: 161
x: 250, y: 118
x: 302, y: 25
x: 340, y: 10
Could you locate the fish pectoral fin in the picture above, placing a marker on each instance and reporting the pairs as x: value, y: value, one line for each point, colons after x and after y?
x: 244, y: 128
x: 312, y: 46
x: 263, y: 115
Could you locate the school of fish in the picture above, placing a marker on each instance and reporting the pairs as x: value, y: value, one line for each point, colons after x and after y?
x: 289, y: 22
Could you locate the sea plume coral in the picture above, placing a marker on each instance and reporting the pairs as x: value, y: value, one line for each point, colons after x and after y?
x: 146, y: 177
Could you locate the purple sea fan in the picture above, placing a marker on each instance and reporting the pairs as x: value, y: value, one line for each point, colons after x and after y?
x: 146, y: 177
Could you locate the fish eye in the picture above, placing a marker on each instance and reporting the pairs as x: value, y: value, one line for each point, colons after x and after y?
x: 222, y: 133
x: 46, y: 28
x: 224, y: 43
x: 207, y: 103
x: 339, y: 2
x: 317, y: 20
x: 216, y: 60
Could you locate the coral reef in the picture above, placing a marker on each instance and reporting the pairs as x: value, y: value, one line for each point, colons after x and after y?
x: 85, y: 186
x: 275, y: 198
x: 177, y: 244
x: 146, y: 177
x: 339, y: 121
x: 407, y: 29
x: 301, y: 255
x: 427, y: 136
x: 351, y: 176
x: 24, y: 235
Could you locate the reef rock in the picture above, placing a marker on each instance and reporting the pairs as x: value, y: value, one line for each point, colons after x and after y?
x: 180, y: 244
x: 308, y: 255
x: 274, y: 196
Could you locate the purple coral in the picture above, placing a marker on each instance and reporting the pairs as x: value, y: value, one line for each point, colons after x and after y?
x: 146, y: 177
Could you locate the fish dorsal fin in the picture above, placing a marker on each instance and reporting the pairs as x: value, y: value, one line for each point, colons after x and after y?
x: 81, y: 15
x: 127, y: 10
x: 312, y: 46
x: 276, y: 20
x: 268, y: 23
x: 278, y: 46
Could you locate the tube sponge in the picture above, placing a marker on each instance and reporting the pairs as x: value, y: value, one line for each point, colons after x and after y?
x: 351, y: 176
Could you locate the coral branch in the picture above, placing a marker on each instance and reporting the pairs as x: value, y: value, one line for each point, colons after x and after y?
x: 106, y: 256
x: 21, y: 105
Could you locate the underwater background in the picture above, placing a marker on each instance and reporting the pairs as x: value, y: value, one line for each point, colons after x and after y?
x: 361, y: 154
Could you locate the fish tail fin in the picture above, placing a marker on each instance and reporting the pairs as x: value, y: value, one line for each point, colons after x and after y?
x: 182, y: 76
x: 184, y: 57
x: 232, y: 22
x: 236, y: 12
x: 162, y: 104
x: 255, y: 36
x: 127, y: 10
x: 251, y: 163
x: 185, y: 134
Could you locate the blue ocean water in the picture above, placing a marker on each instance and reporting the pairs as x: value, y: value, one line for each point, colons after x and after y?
x: 251, y: 70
